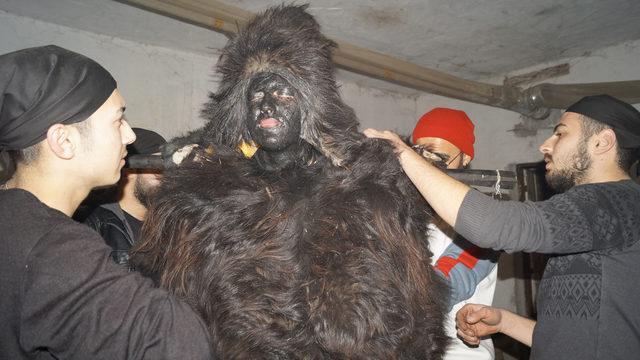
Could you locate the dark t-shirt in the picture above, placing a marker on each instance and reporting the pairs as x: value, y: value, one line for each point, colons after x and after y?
x: 63, y: 297
x: 588, y: 296
x: 134, y: 224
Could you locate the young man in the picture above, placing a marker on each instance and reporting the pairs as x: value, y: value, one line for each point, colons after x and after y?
x: 470, y: 271
x: 119, y: 223
x: 61, y: 120
x: 587, y: 306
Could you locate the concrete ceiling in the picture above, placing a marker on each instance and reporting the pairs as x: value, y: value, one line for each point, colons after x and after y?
x: 472, y: 39
x: 476, y: 39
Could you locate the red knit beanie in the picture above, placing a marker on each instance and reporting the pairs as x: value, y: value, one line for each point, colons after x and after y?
x: 449, y: 124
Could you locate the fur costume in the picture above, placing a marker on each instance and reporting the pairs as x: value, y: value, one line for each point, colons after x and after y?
x: 325, y: 258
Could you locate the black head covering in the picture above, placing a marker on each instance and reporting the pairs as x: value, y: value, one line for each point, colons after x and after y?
x: 47, y: 85
x: 147, y: 142
x: 623, y: 118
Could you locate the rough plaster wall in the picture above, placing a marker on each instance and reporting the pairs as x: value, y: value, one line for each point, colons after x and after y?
x: 474, y: 38
x: 614, y: 63
x: 497, y: 146
x: 378, y: 108
x: 159, y: 85
x: 116, y: 19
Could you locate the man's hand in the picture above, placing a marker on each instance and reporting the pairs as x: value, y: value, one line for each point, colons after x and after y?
x: 393, y: 138
x: 475, y: 321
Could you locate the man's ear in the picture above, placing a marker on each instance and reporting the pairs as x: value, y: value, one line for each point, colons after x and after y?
x: 60, y: 142
x: 466, y: 159
x: 604, y: 141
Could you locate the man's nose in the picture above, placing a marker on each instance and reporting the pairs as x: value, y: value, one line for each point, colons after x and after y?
x: 545, y: 147
x: 266, y: 106
x: 128, y: 135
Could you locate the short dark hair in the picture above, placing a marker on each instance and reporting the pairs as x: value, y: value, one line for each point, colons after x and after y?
x: 30, y: 154
x: 626, y: 157
x: 25, y: 156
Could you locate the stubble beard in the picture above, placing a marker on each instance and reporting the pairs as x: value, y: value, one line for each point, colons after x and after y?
x: 145, y: 193
x: 561, y: 180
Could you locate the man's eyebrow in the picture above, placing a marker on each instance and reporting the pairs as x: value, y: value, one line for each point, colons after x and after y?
x: 443, y: 156
x: 557, y: 126
x: 430, y: 148
x: 119, y: 114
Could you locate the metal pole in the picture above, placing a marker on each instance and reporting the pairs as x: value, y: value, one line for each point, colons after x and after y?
x: 471, y: 177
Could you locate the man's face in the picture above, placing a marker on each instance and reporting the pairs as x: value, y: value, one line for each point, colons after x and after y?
x: 105, y: 141
x: 566, y: 154
x: 449, y: 153
x: 146, y: 186
x: 274, y: 123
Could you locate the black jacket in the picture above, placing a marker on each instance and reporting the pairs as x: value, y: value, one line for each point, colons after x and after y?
x: 109, y: 221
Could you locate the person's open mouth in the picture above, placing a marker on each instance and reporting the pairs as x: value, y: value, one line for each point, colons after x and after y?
x: 268, y: 123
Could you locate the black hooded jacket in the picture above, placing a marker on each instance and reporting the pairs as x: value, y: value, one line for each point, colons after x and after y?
x: 110, y: 222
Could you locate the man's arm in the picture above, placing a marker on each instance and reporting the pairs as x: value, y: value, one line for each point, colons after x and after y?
x: 475, y: 321
x: 582, y: 219
x: 78, y: 304
x: 464, y: 269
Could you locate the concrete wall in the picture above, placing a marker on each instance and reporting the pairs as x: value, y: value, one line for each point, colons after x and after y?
x: 380, y: 107
x: 160, y: 85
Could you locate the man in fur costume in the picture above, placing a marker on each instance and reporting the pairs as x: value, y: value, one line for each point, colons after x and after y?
x: 313, y: 248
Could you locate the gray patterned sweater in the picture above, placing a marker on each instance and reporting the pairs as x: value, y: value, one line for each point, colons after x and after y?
x: 589, y: 296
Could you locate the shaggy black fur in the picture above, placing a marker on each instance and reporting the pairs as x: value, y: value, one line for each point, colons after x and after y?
x: 324, y: 259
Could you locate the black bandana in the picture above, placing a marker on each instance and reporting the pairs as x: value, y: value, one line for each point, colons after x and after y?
x: 623, y: 118
x: 47, y: 85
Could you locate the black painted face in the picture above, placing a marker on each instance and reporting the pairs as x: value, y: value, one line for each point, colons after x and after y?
x: 275, y: 113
